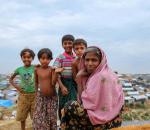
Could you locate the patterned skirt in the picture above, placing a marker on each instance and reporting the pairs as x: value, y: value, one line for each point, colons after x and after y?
x: 45, y: 115
x: 75, y: 117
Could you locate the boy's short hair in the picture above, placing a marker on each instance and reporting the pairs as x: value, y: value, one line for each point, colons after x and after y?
x: 68, y: 37
x: 27, y: 50
x: 79, y: 41
x: 46, y: 51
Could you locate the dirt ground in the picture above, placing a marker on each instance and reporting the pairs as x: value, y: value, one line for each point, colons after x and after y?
x: 143, y: 127
x: 13, y: 125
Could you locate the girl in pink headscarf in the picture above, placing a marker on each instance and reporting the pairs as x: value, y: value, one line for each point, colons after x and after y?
x: 102, y: 96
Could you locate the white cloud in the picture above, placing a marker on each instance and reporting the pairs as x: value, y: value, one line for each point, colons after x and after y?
x: 120, y: 27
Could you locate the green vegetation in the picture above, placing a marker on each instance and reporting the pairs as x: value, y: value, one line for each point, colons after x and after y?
x: 137, y: 112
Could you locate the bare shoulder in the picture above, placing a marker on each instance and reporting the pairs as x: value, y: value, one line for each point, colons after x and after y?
x: 36, y: 69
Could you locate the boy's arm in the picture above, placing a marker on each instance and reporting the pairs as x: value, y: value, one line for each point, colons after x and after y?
x: 80, y: 89
x: 11, y: 81
x: 58, y: 68
x: 81, y: 73
x: 62, y: 86
x: 36, y: 79
x: 57, y: 78
x: 54, y: 77
x: 74, y: 70
x: 55, y: 72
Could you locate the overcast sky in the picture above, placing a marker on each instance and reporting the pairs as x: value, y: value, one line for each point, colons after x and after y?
x: 120, y: 27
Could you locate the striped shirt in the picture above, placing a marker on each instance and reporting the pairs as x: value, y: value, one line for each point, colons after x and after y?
x: 65, y: 61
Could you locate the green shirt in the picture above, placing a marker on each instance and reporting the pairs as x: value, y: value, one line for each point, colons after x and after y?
x: 27, y: 78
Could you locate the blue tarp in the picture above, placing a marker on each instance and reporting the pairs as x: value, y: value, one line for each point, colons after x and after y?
x: 6, y: 103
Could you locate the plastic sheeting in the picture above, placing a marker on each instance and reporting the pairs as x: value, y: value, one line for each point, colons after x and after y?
x: 6, y: 103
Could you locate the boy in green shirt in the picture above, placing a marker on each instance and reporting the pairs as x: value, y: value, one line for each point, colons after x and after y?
x: 26, y: 88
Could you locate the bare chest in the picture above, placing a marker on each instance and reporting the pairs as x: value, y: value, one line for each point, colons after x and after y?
x: 44, y: 73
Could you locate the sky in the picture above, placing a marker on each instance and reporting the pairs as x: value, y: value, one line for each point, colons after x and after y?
x: 120, y: 27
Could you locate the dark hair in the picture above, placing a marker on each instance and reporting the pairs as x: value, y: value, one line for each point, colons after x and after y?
x: 68, y: 37
x: 27, y: 50
x: 94, y: 49
x: 80, y: 41
x: 46, y: 51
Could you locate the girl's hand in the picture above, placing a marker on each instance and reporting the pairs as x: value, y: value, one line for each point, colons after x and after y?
x: 59, y: 70
x: 64, y: 91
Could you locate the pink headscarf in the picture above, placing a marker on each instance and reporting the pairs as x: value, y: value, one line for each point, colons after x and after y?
x: 102, y: 96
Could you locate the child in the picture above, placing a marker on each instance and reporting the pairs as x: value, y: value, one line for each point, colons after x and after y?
x: 45, y: 116
x: 102, y: 96
x: 67, y: 85
x: 26, y: 88
x: 79, y: 47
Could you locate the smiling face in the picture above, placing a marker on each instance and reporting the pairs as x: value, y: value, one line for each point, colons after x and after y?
x: 27, y: 59
x: 68, y: 45
x: 91, y: 62
x: 44, y: 60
